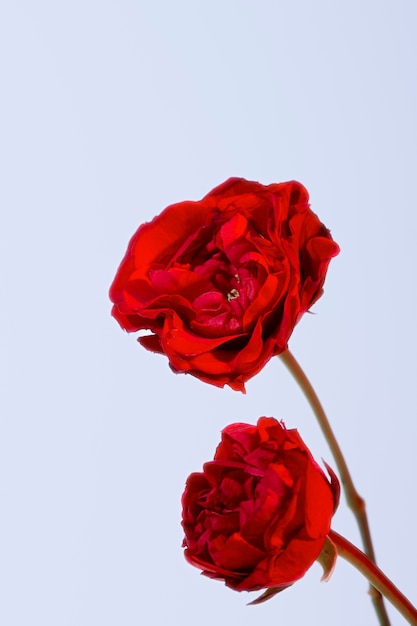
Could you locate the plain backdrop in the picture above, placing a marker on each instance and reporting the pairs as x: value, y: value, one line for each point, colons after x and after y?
x: 110, y: 110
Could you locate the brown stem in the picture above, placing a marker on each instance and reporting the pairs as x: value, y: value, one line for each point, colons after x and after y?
x: 375, y: 576
x: 355, y: 502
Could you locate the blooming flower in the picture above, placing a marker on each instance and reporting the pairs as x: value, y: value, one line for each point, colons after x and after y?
x: 221, y: 283
x: 259, y: 513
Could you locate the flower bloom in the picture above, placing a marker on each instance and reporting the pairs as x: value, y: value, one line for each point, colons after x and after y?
x: 259, y: 513
x: 221, y: 283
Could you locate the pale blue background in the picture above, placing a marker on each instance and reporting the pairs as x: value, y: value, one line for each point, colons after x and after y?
x: 110, y: 110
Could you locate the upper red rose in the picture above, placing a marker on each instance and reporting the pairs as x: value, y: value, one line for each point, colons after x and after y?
x: 259, y: 513
x: 222, y: 282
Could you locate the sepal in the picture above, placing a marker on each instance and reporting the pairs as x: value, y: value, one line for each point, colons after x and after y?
x: 327, y: 559
x: 267, y: 595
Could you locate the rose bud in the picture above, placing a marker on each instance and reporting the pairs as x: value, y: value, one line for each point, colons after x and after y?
x: 258, y: 515
x: 222, y: 282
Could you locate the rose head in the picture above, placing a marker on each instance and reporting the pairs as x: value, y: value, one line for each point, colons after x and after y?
x: 222, y: 282
x: 259, y: 513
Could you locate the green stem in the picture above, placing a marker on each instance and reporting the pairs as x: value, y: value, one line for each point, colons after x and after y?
x: 375, y: 576
x: 355, y: 502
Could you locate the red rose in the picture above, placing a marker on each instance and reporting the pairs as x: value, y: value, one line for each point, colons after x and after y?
x: 259, y: 513
x: 222, y: 282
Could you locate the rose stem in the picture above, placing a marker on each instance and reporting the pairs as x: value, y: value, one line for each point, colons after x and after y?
x: 354, y: 501
x: 375, y: 576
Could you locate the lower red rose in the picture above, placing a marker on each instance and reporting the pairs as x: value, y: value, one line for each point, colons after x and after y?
x: 259, y: 513
x: 222, y: 282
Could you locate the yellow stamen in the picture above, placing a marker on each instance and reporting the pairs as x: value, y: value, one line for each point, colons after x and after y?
x: 233, y: 294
